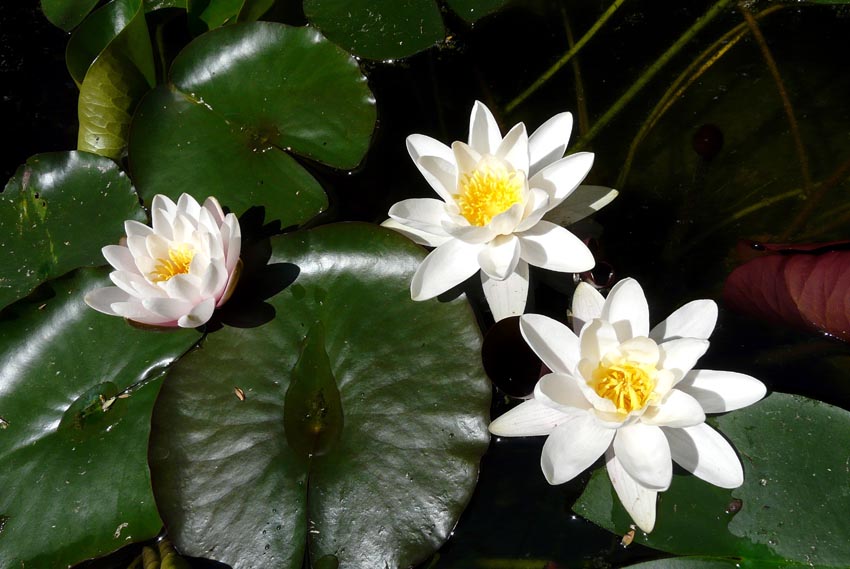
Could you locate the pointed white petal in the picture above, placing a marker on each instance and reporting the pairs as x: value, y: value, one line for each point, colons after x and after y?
x: 645, y: 454
x: 466, y: 158
x: 506, y: 222
x: 499, y: 257
x: 120, y: 257
x: 102, y: 299
x: 426, y: 214
x: 440, y: 174
x: 484, y: 134
x: 681, y: 354
x: 695, y: 319
x: 703, y: 451
x: 163, y: 202
x: 597, y: 338
x: 188, y: 206
x: 214, y: 208
x: 562, y: 392
x: 133, y: 227
x: 133, y: 310
x: 638, y: 500
x: 419, y: 145
x: 587, y: 305
x: 549, y: 142
x: 169, y: 308
x: 536, y: 205
x: 528, y: 419
x: 562, y: 177
x: 514, y: 148
x: 573, y: 446
x: 583, y: 202
x: 553, y: 342
x: 677, y: 410
x: 161, y: 222
x: 640, y: 350
x: 507, y: 297
x: 213, y: 282
x: 184, y: 287
x: 471, y: 234
x: 199, y: 314
x: 721, y: 391
x: 417, y: 235
x: 552, y: 247
x: 446, y: 266
x: 627, y: 304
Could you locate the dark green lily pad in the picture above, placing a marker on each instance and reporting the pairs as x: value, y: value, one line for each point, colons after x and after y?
x: 75, y: 480
x: 387, y: 394
x: 243, y: 99
x: 56, y: 213
x: 791, y: 508
x: 67, y: 14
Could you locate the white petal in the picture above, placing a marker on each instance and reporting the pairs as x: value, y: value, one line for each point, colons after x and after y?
x: 102, y: 299
x: 419, y: 145
x: 572, y: 447
x: 417, y: 235
x: 232, y: 239
x: 514, y: 148
x: 184, y: 287
x: 703, y: 451
x: 135, y: 284
x: 640, y: 350
x: 528, y: 419
x: 597, y: 339
x: 426, y: 214
x: 170, y: 309
x: 213, y: 283
x: 133, y: 227
x: 536, y: 205
x: 499, y: 257
x: 562, y: 177
x: 549, y: 142
x: 471, y: 234
x: 552, y: 247
x: 214, y: 208
x: 638, y: 500
x: 562, y: 392
x: 507, y: 297
x: 553, y: 342
x: 199, y: 314
x: 446, y: 266
x: 627, y: 304
x: 587, y: 305
x: 584, y: 201
x: 188, y: 206
x: 133, y: 310
x: 156, y: 246
x: 466, y: 158
x: 721, y: 391
x: 484, y: 134
x: 164, y: 203
x: 681, y: 354
x: 161, y: 221
x: 677, y: 410
x: 440, y: 174
x: 120, y: 257
x: 695, y: 319
x: 507, y: 221
x: 645, y: 454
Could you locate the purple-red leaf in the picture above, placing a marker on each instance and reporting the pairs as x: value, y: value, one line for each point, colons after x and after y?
x: 800, y: 285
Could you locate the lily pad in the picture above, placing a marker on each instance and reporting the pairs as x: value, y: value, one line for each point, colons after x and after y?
x: 791, y: 509
x: 356, y: 430
x: 56, y: 213
x: 75, y: 480
x: 67, y: 14
x: 243, y: 99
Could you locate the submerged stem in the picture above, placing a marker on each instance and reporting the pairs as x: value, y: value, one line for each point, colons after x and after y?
x: 565, y: 58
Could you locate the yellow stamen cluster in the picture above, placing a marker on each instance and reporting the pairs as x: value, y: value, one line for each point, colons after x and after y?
x: 178, y: 262
x: 627, y: 384
x: 488, y: 191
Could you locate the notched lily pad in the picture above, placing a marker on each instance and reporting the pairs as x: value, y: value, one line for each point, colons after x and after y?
x: 392, y: 389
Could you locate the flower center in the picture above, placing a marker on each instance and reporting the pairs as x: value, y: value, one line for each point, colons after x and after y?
x: 627, y: 384
x: 178, y: 262
x: 487, y: 191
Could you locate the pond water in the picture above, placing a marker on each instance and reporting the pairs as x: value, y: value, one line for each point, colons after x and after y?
x: 737, y: 135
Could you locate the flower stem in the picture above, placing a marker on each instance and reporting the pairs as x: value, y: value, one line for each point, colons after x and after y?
x: 565, y: 58
x: 581, y: 100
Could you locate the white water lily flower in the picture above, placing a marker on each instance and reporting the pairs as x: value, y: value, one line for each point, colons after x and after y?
x: 494, y: 192
x: 630, y: 393
x: 178, y: 271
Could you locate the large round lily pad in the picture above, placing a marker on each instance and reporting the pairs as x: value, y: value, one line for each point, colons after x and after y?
x: 349, y: 427
x: 243, y: 100
x: 791, y: 510
x: 75, y: 480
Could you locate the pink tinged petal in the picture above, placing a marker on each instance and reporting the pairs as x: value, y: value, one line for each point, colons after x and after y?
x: 133, y: 310
x: 184, y: 287
x: 638, y: 500
x: 213, y: 283
x: 562, y: 177
x: 678, y: 410
x: 514, y: 148
x: 199, y: 314
x: 499, y: 257
x: 562, y: 392
x: 695, y: 319
x: 645, y: 454
x: 484, y: 134
x: 440, y: 174
x: 553, y: 342
x: 704, y: 452
x: 162, y: 223
x: 466, y: 158
x: 426, y: 214
x: 417, y: 235
x: 232, y: 242
x: 597, y: 339
x: 135, y: 285
x: 721, y: 391
x: 102, y: 299
x: 507, y: 297
x: 681, y: 354
x: 536, y: 205
x: 163, y: 202
x: 120, y: 258
x: 626, y: 308
x: 507, y: 221
x: 584, y: 201
x: 133, y: 228
x: 171, y: 309
x: 446, y: 266
x: 549, y: 142
x: 230, y: 285
x: 528, y: 419
x: 214, y: 208
x: 199, y: 265
x: 587, y: 305
x: 189, y: 206
x: 552, y: 247
x: 208, y: 223
x: 573, y: 446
